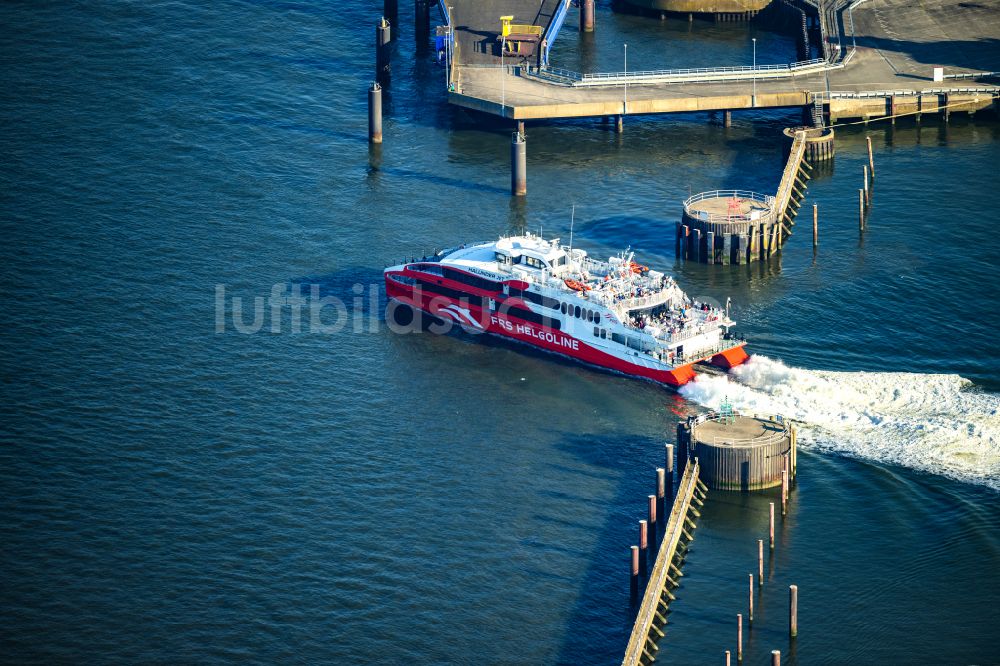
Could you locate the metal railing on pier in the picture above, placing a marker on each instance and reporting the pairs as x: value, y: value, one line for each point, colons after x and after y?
x: 724, y: 218
x: 688, y: 75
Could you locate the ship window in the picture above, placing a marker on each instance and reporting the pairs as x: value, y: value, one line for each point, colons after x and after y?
x: 562, y: 308
x: 534, y: 317
x: 577, y: 312
x: 597, y: 332
x: 434, y: 269
x: 618, y: 337
x: 533, y: 261
x: 472, y: 280
x: 402, y: 279
x: 538, y: 299
x: 448, y: 292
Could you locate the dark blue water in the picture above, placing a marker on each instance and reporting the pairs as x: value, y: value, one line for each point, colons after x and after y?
x: 172, y: 493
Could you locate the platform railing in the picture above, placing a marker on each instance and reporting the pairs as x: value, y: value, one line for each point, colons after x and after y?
x: 723, y: 218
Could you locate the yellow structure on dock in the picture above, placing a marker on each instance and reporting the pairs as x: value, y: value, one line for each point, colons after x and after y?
x: 518, y: 39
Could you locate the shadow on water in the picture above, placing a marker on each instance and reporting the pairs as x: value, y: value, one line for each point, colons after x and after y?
x: 599, y: 623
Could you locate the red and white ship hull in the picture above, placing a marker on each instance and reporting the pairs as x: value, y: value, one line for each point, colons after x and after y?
x: 476, y: 319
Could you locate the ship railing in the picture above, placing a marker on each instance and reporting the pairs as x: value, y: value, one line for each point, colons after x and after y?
x: 709, y: 351
x: 654, y: 299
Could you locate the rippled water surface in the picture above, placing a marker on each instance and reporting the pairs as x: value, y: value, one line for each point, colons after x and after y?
x: 171, y: 493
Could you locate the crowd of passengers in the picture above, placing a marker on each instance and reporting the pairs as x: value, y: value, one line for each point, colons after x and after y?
x: 639, y: 291
x: 674, y: 320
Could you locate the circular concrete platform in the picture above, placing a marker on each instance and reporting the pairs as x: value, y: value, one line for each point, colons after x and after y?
x: 739, y: 452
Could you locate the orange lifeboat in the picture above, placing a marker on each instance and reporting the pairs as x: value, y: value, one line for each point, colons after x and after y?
x: 638, y: 268
x: 576, y: 285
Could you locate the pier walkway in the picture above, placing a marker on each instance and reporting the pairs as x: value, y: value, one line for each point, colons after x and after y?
x: 652, y: 614
x: 890, y: 48
x: 477, y: 26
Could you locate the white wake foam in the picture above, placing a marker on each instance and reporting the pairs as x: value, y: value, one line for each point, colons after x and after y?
x: 936, y: 423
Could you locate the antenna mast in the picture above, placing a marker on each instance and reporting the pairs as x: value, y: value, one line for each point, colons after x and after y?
x: 572, y: 218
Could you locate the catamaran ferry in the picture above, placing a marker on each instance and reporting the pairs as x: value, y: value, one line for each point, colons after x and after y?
x: 615, y: 314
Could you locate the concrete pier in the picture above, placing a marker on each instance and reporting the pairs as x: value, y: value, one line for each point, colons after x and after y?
x: 422, y: 23
x: 383, y: 66
x: 885, y: 64
x: 518, y: 165
x: 375, y: 113
x: 586, y: 15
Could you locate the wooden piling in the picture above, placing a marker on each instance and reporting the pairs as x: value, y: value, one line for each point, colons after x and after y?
x: 868, y: 194
x: 786, y: 464
x: 815, y: 225
x: 784, y: 492
x: 518, y: 165
x: 871, y: 158
x: 698, y: 256
x: 665, y: 570
x: 727, y: 118
x: 586, y: 15
x: 710, y: 247
x: 760, y: 561
x: 750, y: 599
x: 661, y: 489
x: 775, y: 657
x: 771, y: 525
x: 739, y: 637
x: 861, y: 210
x: 669, y: 482
x: 652, y: 511
x: 793, y: 610
x: 795, y: 452
x: 520, y: 128
x: 619, y: 123
x: 727, y: 658
x: 375, y: 113
x: 643, y: 536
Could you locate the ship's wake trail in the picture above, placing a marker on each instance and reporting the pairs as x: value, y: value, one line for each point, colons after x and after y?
x: 935, y: 423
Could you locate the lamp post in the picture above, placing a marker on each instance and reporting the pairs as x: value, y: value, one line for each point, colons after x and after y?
x: 625, y: 104
x: 754, y: 98
x: 447, y: 49
x: 503, y: 78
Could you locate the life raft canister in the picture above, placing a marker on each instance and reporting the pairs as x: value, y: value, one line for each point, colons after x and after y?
x: 577, y: 286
